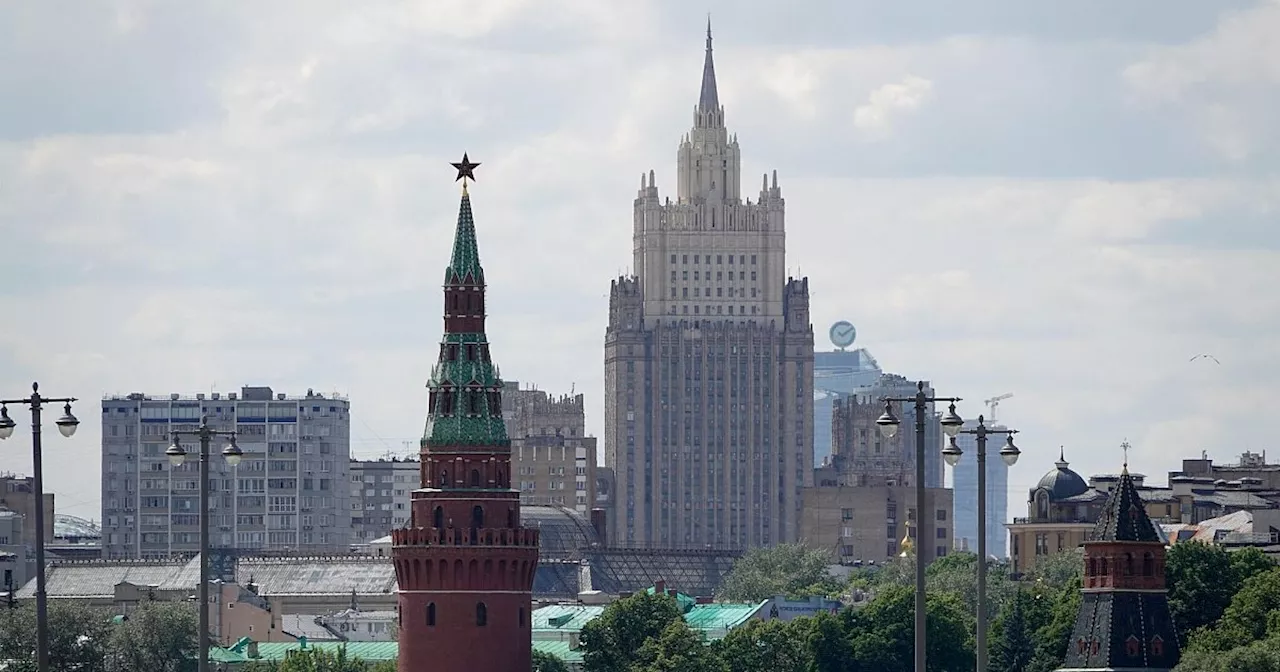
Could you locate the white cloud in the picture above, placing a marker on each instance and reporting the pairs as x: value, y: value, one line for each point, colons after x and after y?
x: 1226, y: 81
x: 891, y: 101
x: 286, y: 222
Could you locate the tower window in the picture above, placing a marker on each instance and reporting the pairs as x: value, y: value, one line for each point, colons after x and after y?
x: 475, y: 478
x: 521, y: 620
x: 477, y: 516
x: 431, y: 614
x: 437, y: 516
x: 482, y: 614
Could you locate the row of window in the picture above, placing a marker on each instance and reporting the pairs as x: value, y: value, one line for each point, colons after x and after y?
x: 684, y: 275
x: 706, y: 259
x: 482, y: 615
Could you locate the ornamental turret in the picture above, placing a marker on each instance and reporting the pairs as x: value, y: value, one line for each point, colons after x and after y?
x: 464, y: 565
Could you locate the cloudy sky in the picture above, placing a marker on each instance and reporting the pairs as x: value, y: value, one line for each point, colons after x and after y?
x: 1067, y: 201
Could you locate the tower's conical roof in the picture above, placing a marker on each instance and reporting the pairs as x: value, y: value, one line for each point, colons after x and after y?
x: 1124, y: 516
x: 464, y: 265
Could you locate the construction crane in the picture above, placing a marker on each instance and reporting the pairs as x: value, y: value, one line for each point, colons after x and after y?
x: 993, y: 402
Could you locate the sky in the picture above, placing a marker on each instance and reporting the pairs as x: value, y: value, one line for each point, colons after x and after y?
x: 1063, y: 201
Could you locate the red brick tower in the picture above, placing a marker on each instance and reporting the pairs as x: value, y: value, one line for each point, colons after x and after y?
x: 1124, y: 621
x: 464, y: 564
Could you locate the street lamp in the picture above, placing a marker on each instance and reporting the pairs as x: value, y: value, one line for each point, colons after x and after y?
x: 951, y: 424
x: 1009, y: 454
x: 177, y: 454
x: 67, y: 427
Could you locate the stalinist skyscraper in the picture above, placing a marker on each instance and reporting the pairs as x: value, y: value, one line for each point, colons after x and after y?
x: 708, y: 357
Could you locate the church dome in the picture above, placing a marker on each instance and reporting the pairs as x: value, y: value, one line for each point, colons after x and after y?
x: 1062, y: 482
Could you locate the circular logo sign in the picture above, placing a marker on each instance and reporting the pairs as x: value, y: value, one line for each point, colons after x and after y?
x: 843, y: 334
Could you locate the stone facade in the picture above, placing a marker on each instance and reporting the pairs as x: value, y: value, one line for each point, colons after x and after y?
x: 708, y: 358
x: 555, y: 462
x: 464, y: 565
x: 867, y: 523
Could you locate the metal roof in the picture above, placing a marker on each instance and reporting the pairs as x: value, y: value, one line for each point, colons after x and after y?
x: 564, y: 617
x: 98, y: 579
x: 720, y: 616
x: 367, y: 651
x: 319, y: 576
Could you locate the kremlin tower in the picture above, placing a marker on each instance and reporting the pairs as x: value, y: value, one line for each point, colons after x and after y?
x: 1124, y: 621
x: 464, y: 565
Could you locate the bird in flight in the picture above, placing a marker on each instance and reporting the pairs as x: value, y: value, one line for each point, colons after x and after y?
x: 1215, y: 359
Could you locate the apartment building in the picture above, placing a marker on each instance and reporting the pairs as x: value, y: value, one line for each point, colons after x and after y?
x: 555, y: 463
x: 17, y: 494
x: 380, y: 491
x: 289, y: 492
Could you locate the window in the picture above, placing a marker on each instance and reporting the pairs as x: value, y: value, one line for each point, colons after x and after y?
x: 521, y: 621
x: 942, y: 514
x: 477, y: 516
x: 942, y: 533
x: 482, y: 614
x: 438, y: 517
x: 475, y: 478
x: 431, y: 614
x: 846, y: 514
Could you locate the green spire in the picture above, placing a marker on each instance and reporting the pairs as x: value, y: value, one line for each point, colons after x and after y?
x: 466, y: 252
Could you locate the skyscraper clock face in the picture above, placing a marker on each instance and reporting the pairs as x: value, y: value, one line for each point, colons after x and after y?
x: 843, y: 334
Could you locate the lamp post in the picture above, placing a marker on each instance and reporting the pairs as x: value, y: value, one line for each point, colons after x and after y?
x: 888, y: 423
x: 177, y: 454
x: 67, y: 427
x: 1009, y: 454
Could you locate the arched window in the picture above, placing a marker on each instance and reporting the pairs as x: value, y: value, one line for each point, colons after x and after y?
x: 475, y: 478
x: 477, y: 516
x: 1042, y: 504
x: 431, y: 614
x: 1093, y: 567
x: 522, y: 619
x: 444, y: 477
x: 437, y: 517
x: 1148, y: 564
x: 482, y: 614
x: 511, y: 516
x: 1105, y: 569
x: 1128, y: 564
x: 498, y: 480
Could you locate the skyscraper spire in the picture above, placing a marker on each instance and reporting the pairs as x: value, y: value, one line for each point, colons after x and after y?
x: 708, y: 100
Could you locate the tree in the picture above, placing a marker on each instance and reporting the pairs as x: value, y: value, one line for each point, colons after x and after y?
x: 545, y: 662
x: 764, y: 646
x: 883, y: 632
x: 156, y: 637
x: 786, y: 569
x: 612, y: 641
x: 1252, y: 616
x: 1051, y: 639
x: 827, y: 645
x: 320, y: 660
x: 678, y: 649
x: 1058, y: 568
x: 1014, y: 647
x: 78, y: 637
x: 1201, y: 583
x: 1255, y: 657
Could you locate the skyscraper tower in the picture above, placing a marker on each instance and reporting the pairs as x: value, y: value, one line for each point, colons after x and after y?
x: 1124, y: 621
x: 708, y: 357
x: 464, y: 565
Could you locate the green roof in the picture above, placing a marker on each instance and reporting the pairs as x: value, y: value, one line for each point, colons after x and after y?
x: 560, y: 650
x: 276, y: 651
x: 564, y: 617
x: 466, y: 251
x: 707, y: 617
